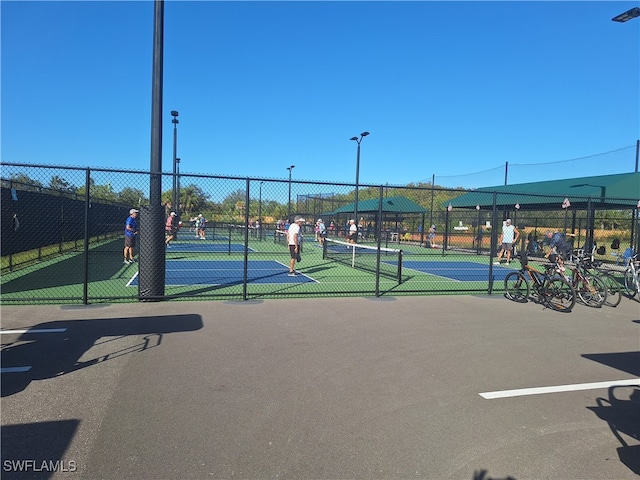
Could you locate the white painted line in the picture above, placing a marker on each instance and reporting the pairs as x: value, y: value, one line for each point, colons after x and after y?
x: 34, y: 330
x: 14, y: 369
x: 559, y: 388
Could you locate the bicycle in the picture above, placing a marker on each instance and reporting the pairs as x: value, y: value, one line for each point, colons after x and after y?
x: 591, y: 289
x: 631, y: 277
x: 594, y: 267
x: 550, y: 289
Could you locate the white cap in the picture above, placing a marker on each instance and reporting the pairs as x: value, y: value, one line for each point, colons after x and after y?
x: 133, y: 210
x: 508, y: 220
x: 319, y: 220
x: 173, y: 214
x: 300, y: 220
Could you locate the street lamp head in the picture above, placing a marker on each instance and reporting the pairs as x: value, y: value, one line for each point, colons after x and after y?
x: 291, y: 167
x: 177, y: 160
x: 364, y: 134
x: 175, y: 121
x: 354, y: 138
x: 174, y: 113
x: 628, y: 15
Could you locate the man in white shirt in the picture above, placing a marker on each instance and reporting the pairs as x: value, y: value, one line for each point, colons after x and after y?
x: 510, y: 236
x: 293, y: 237
x: 353, y: 232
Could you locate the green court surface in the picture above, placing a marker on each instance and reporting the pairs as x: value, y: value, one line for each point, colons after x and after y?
x: 425, y: 271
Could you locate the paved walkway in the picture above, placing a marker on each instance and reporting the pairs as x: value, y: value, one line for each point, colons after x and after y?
x: 331, y: 388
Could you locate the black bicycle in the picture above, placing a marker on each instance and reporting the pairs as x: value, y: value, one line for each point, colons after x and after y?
x: 547, y: 288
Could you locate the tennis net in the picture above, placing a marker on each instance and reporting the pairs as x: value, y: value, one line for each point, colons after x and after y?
x: 365, y: 257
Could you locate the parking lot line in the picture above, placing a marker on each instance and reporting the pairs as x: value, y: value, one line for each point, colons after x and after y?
x: 33, y: 330
x: 14, y: 369
x: 558, y: 388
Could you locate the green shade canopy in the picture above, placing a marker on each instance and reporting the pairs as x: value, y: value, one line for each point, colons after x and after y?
x: 399, y: 205
x: 620, y: 191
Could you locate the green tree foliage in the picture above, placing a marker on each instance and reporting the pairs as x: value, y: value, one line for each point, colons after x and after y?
x: 24, y: 182
x: 60, y: 184
x: 132, y: 196
x: 192, y: 199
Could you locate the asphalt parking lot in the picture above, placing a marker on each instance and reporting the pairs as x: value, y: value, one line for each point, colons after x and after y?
x: 445, y: 387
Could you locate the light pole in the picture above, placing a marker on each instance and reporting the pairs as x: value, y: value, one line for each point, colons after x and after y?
x: 289, y: 202
x: 355, y: 205
x: 260, y: 226
x: 177, y: 207
x: 174, y: 200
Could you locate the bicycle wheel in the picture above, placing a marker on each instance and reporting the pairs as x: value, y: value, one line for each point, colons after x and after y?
x: 591, y: 290
x: 614, y: 292
x: 630, y: 282
x: 558, y: 294
x: 516, y: 287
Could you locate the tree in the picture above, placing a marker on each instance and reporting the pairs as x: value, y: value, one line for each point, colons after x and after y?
x: 192, y: 198
x: 24, y: 182
x: 60, y: 184
x: 132, y: 196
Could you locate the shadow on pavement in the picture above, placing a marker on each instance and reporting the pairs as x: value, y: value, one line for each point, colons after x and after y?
x: 54, y: 354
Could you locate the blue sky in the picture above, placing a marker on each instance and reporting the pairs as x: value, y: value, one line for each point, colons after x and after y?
x: 449, y: 89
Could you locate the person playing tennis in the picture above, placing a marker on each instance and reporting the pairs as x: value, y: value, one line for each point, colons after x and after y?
x: 353, y: 232
x: 293, y: 238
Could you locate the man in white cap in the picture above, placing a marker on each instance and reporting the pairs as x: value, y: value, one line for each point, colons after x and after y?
x: 130, y: 232
x: 353, y: 232
x: 322, y: 231
x: 510, y: 235
x: 294, y: 237
x: 170, y: 228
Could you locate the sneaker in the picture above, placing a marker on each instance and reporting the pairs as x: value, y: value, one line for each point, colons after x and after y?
x: 132, y: 260
x: 507, y: 263
x: 127, y: 262
x: 292, y: 274
x: 496, y: 263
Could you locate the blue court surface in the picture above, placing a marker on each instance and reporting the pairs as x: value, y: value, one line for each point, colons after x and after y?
x: 204, y: 246
x: 226, y: 272
x: 461, y: 271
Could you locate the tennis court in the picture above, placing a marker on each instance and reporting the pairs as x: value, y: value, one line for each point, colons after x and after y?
x: 205, y: 246
x: 462, y: 271
x: 226, y: 272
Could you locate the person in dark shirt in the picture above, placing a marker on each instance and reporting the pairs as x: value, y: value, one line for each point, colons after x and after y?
x: 130, y: 232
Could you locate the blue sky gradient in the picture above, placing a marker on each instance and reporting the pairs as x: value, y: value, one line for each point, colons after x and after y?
x: 450, y: 89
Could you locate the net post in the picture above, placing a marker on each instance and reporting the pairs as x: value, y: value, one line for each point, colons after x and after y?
x: 324, y: 250
x: 400, y: 267
x: 353, y: 256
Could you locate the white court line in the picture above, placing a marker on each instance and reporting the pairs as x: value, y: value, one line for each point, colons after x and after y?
x: 558, y: 388
x: 14, y: 369
x: 34, y: 330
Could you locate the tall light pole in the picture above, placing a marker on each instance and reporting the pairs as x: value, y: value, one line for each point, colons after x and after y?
x: 355, y: 205
x: 260, y: 226
x: 289, y: 202
x: 625, y: 17
x: 177, y: 207
x: 174, y: 199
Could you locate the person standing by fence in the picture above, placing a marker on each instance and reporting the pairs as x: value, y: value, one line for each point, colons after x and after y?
x: 130, y: 232
x: 293, y: 239
x: 510, y: 235
x: 170, y: 228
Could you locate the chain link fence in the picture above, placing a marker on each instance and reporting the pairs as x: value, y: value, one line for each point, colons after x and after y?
x: 63, y: 237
